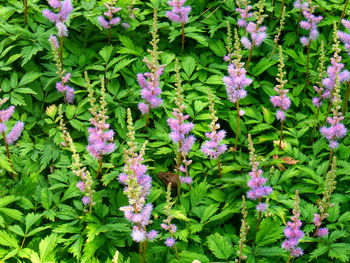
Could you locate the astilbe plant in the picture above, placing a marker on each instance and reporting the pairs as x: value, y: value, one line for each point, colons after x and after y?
x: 179, y: 134
x: 236, y: 81
x: 337, y: 130
x: 179, y: 14
x: 62, y: 85
x: 13, y: 135
x: 213, y: 147
x: 100, y: 136
x: 85, y: 183
x: 137, y: 187
x: 279, y: 31
x: 149, y: 81
x: 258, y: 190
x: 310, y: 25
x: 256, y: 31
x: 325, y: 203
x: 167, y: 225
x: 59, y: 19
x: 280, y: 101
x: 301, y: 5
x: 293, y: 233
x: 112, y: 19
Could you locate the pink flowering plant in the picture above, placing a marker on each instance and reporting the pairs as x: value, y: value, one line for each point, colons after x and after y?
x: 110, y: 14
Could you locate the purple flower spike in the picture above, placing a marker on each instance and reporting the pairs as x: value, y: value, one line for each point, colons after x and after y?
x: 236, y: 83
x: 59, y: 19
x: 179, y: 13
x: 345, y: 37
x: 310, y: 24
x: 15, y: 132
x: 292, y: 231
x: 111, y: 11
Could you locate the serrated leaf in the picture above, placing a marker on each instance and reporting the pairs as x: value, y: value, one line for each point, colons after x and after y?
x: 219, y: 246
x: 8, y: 240
x: 46, y: 248
x: 31, y: 219
x: 189, y: 65
x: 269, y: 232
x: 106, y: 53
x: 209, y: 211
x: 28, y: 78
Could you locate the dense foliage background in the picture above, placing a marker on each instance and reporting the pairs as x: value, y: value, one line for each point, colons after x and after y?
x: 42, y: 218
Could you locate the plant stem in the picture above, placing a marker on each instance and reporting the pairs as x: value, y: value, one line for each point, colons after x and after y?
x: 219, y: 167
x: 8, y: 155
x: 316, y: 119
x: 61, y: 50
x: 290, y: 256
x: 147, y: 118
x: 140, y: 252
x: 329, y: 163
x: 182, y: 37
x: 344, y: 9
x: 144, y: 250
x: 250, y: 54
x: 273, y: 51
x: 307, y: 66
x: 346, y: 100
x: 280, y: 144
x: 259, y: 219
x: 178, y: 174
x: 99, y: 166
x: 109, y: 35
x: 273, y: 8
x: 176, y: 253
x: 26, y: 11
x: 237, y: 128
x: 281, y: 9
x: 328, y: 110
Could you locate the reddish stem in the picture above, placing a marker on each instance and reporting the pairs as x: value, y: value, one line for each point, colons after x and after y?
x: 8, y: 155
x: 182, y: 37
x: 26, y: 11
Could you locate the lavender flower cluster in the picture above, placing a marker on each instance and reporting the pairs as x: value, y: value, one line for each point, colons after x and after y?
x: 64, y: 9
x: 310, y: 24
x: 293, y: 233
x: 317, y: 221
x: 257, y: 182
x: 236, y: 82
x: 244, y: 15
x: 17, y: 129
x: 110, y: 15
x: 179, y: 13
x: 150, y: 88
x: 137, y: 187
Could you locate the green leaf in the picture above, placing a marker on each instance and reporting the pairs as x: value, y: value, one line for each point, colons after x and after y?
x: 188, y: 257
x: 269, y: 232
x: 31, y: 219
x: 209, y: 211
x: 219, y: 246
x: 46, y: 248
x: 29, y: 51
x: 17, y: 230
x: 262, y: 66
x: 8, y: 240
x: 199, y: 38
x: 13, y: 213
x: 106, y: 53
x: 340, y: 251
x: 28, y: 78
x: 189, y: 65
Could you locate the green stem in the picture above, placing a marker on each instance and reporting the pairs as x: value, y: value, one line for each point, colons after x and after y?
x: 109, y: 35
x: 346, y: 100
x: 250, y: 54
x: 61, y: 50
x: 280, y: 144
x: 99, y: 167
x: 282, y: 9
x: 182, y: 37
x: 329, y: 162
x: 316, y: 119
x: 328, y: 110
x: 147, y: 118
x: 140, y: 252
x: 273, y: 8
x: 344, y: 9
x: 178, y: 174
x: 219, y: 167
x: 26, y: 11
x: 307, y: 66
x: 259, y: 219
x: 290, y: 256
x: 237, y: 128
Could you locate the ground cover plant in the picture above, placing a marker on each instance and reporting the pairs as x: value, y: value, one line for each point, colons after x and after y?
x: 174, y: 131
